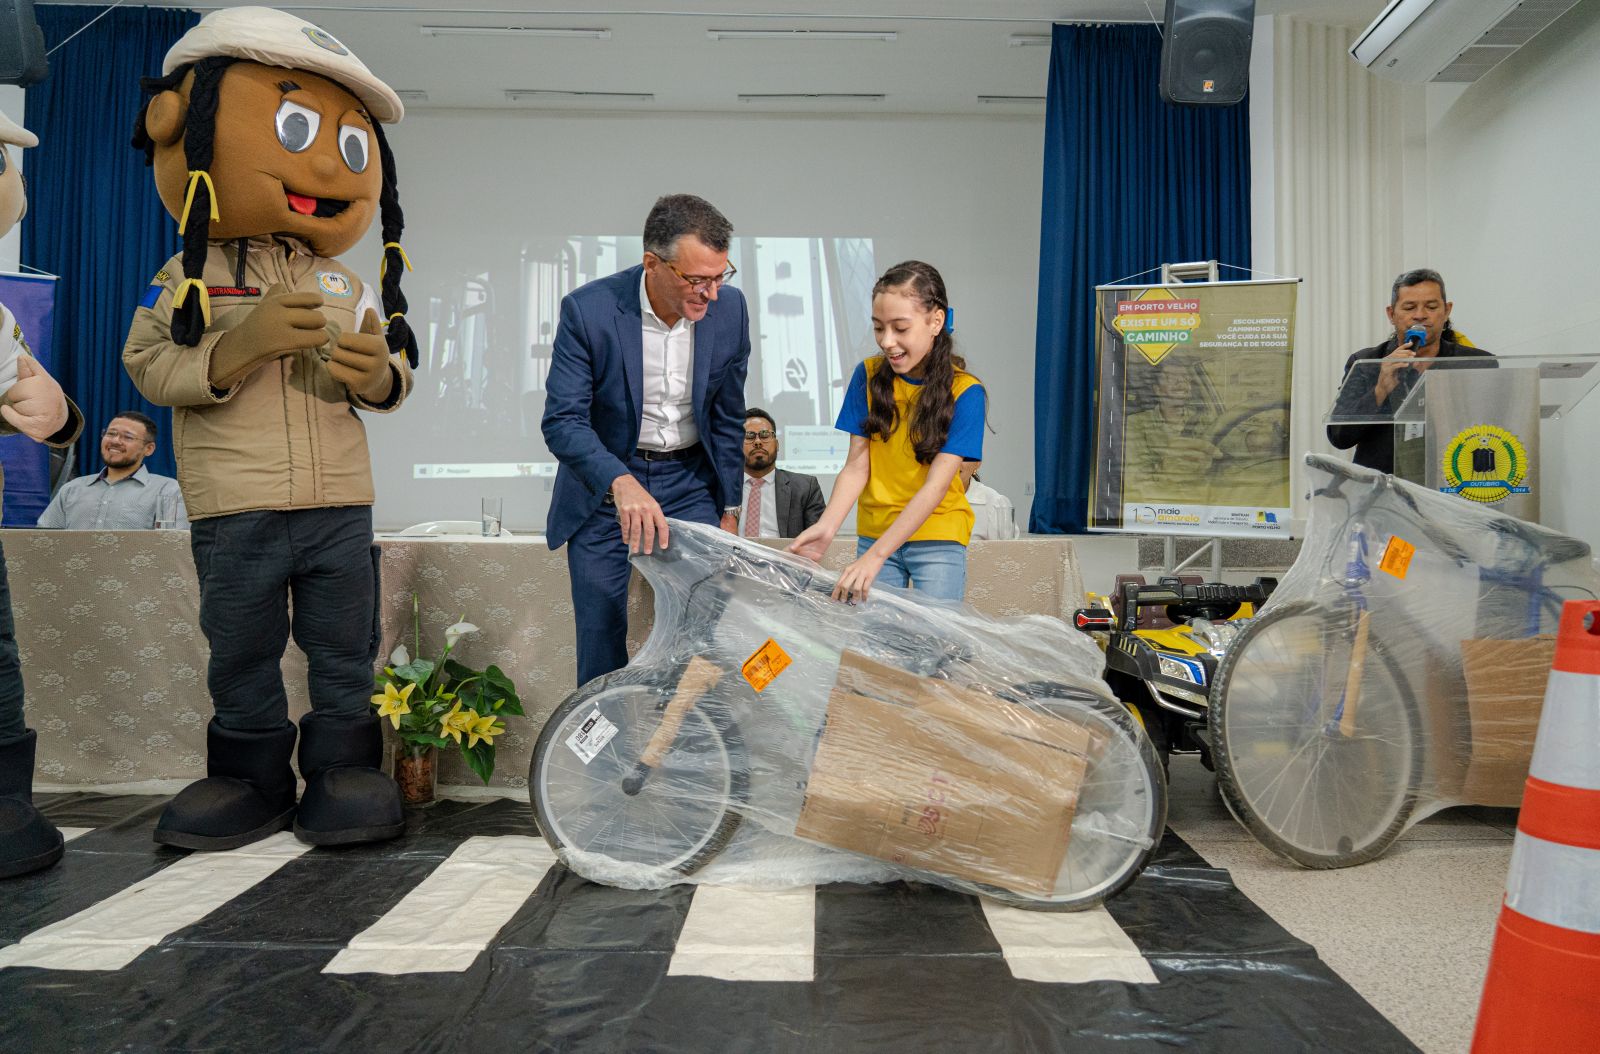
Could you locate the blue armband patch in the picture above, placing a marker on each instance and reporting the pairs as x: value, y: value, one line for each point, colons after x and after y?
x: 151, y: 295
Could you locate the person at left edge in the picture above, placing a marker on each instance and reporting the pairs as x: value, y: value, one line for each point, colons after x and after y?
x: 31, y: 404
x: 265, y: 134
x: 644, y: 409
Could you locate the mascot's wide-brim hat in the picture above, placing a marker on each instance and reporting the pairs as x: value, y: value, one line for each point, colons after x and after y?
x: 14, y: 133
x: 277, y: 38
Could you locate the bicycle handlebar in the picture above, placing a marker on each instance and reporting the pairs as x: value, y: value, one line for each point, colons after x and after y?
x: 1549, y: 547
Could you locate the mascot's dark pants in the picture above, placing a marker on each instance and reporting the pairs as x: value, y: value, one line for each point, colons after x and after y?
x: 251, y: 566
x: 27, y: 840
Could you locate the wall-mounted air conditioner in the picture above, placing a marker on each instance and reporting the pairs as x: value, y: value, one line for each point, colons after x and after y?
x: 1450, y: 40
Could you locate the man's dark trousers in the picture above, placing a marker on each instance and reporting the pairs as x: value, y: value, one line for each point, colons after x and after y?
x: 250, y: 564
x: 597, y: 557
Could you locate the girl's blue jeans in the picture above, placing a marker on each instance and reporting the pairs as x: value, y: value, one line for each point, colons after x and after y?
x: 936, y: 568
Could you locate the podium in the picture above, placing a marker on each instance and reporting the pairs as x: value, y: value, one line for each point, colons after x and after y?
x: 1469, y: 425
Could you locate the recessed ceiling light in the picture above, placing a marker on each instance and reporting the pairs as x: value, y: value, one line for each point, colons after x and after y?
x: 521, y: 94
x: 800, y: 34
x: 1029, y: 40
x: 514, y: 31
x: 411, y: 95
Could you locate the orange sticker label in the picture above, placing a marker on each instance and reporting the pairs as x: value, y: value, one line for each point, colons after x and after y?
x: 1397, y: 556
x: 764, y: 666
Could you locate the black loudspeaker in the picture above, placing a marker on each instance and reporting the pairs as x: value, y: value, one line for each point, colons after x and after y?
x: 22, y: 58
x: 1205, y: 51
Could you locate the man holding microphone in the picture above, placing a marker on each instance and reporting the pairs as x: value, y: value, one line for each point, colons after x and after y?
x: 1420, y: 315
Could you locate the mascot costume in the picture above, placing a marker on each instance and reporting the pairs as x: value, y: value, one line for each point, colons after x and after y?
x: 264, y: 134
x: 31, y: 403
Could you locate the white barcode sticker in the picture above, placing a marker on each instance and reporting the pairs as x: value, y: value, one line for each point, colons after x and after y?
x: 591, y: 737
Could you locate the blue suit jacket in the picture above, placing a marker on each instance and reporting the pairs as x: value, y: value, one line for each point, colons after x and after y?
x: 594, y: 396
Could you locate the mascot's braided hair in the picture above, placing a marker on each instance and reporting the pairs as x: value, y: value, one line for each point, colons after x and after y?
x: 393, y: 220
x: 191, y: 314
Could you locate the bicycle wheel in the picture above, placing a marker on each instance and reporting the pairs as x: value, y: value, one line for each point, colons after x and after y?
x: 1320, y: 790
x: 1121, y: 809
x: 682, y: 816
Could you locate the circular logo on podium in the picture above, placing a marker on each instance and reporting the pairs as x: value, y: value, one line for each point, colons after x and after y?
x: 1485, y: 464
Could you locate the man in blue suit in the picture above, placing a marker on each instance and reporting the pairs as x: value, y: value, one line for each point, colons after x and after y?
x: 644, y: 408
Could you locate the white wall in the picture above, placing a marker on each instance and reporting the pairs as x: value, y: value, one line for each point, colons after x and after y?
x: 1342, y: 159
x: 1512, y: 212
x: 960, y: 192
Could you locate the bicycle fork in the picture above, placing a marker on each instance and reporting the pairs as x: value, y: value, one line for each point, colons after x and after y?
x: 698, y: 679
x: 1357, y: 573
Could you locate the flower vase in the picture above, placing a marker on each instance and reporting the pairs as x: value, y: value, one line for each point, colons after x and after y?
x: 417, y: 774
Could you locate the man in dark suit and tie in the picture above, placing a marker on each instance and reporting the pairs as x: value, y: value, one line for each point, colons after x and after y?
x: 776, y: 503
x: 644, y: 408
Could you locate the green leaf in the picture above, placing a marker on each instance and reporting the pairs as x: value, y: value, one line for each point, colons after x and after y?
x: 481, y: 760
x: 416, y: 671
x: 424, y: 739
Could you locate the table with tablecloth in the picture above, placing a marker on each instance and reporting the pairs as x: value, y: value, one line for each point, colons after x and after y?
x: 114, y: 661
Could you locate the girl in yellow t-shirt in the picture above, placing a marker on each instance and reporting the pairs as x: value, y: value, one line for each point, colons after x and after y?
x: 914, y: 415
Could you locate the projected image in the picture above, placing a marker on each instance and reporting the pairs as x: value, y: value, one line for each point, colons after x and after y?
x: 488, y: 340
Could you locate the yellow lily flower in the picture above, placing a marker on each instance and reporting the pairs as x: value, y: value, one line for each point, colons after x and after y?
x: 456, y: 721
x: 393, y: 704
x: 484, y: 728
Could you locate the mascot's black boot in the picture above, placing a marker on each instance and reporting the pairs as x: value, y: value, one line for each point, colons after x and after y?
x: 28, y: 841
x: 248, y: 792
x: 347, y: 800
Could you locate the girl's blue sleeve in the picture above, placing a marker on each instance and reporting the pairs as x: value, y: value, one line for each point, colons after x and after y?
x: 966, y: 426
x: 854, y: 412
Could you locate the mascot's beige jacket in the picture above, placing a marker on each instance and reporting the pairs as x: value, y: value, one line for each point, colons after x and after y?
x: 285, y: 437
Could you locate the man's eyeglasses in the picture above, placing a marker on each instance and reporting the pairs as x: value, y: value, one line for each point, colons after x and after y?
x: 765, y: 433
x: 699, y: 282
x: 112, y: 433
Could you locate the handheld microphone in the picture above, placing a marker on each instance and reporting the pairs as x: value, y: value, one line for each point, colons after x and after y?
x: 1416, y: 336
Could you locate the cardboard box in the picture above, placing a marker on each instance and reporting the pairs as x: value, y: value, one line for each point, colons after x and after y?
x: 1505, y: 695
x: 921, y: 773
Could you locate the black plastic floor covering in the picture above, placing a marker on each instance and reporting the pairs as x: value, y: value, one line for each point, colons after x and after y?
x: 582, y: 967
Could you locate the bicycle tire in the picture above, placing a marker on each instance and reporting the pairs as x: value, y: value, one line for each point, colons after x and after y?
x: 1129, y: 767
x: 1361, y: 789
x: 708, y: 742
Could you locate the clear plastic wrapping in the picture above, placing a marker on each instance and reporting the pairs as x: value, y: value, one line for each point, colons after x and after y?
x: 1398, y: 669
x: 768, y: 735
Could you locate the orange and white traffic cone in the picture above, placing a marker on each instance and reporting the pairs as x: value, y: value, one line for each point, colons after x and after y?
x: 1543, y: 989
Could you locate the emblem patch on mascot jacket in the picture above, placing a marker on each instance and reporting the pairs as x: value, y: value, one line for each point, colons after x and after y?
x: 153, y: 293
x: 333, y: 283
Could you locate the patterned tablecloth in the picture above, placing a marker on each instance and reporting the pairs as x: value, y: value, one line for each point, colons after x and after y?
x: 113, y: 658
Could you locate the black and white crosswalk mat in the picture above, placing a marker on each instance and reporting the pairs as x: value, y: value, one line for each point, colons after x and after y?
x: 467, y: 935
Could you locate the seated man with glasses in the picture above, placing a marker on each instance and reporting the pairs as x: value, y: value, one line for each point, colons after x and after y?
x: 123, y: 496
x: 644, y: 409
x: 777, y: 503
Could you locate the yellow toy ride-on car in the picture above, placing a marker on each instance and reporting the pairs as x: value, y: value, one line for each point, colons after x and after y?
x: 1162, y: 645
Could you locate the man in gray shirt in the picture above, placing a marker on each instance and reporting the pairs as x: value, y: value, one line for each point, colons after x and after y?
x: 123, y: 496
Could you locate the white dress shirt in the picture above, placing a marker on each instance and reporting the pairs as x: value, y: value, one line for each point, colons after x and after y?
x: 992, y: 514
x: 668, y: 422
x: 769, y: 506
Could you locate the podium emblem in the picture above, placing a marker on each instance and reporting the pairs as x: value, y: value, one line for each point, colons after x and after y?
x: 1485, y: 464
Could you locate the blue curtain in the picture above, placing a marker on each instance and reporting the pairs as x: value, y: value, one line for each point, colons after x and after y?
x: 93, y: 215
x: 1130, y: 183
